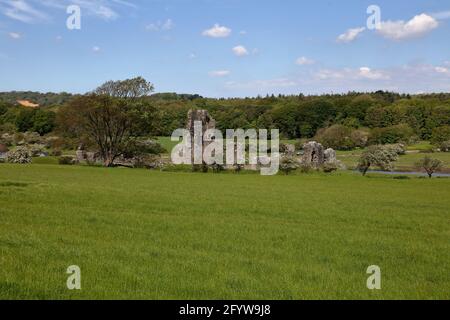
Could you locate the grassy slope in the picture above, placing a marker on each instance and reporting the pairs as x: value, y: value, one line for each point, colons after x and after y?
x: 143, y: 234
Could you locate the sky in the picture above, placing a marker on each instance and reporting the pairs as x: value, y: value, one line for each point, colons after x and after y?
x: 227, y: 48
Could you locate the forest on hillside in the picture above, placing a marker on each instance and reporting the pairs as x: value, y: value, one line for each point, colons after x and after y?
x: 341, y: 121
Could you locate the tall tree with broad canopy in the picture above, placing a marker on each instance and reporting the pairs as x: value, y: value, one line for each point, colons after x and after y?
x: 110, y: 119
x: 127, y: 89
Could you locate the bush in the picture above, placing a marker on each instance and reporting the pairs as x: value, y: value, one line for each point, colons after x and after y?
x: 440, y: 135
x: 36, y: 120
x: 401, y: 178
x: 330, y: 167
x: 56, y: 153
x: 445, y: 146
x: 288, y: 164
x: 397, y: 148
x: 21, y: 155
x: 401, y: 133
x: 305, y: 167
x: 66, y: 160
x: 143, y: 147
x: 238, y: 167
x: 217, y: 168
x: 336, y: 137
x: 359, y: 138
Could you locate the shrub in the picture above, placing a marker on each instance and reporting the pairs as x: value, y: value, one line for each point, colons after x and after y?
x: 401, y: 133
x: 56, y: 153
x: 288, y: 164
x: 336, y: 137
x: 37, y: 120
x: 217, y: 168
x: 401, y: 178
x: 143, y: 147
x: 21, y: 155
x: 440, y: 135
x: 7, y: 139
x: 397, y: 148
x: 305, y: 167
x: 445, y: 146
x: 238, y: 167
x: 287, y: 148
x: 330, y: 167
x: 66, y: 160
x: 359, y: 138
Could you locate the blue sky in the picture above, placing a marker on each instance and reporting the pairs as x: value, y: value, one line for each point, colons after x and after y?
x: 226, y: 48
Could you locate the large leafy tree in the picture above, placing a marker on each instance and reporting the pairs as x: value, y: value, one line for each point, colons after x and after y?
x: 127, y: 89
x: 379, y: 156
x: 111, y: 118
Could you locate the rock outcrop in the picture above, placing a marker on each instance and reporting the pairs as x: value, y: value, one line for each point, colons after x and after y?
x: 330, y: 156
x: 313, y: 154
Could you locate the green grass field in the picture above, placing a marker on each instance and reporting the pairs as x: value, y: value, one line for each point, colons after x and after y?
x: 405, y: 162
x: 160, y: 235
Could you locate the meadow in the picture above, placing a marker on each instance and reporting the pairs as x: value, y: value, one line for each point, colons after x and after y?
x: 165, y: 235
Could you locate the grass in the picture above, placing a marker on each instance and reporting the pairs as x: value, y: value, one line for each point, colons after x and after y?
x: 160, y: 235
x: 166, y: 143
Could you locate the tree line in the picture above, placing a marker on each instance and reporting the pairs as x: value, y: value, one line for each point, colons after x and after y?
x: 340, y: 121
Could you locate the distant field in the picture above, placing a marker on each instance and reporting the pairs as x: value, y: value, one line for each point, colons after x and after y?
x: 144, y: 234
x: 405, y: 163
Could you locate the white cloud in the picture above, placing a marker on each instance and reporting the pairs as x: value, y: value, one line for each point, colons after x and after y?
x: 33, y: 11
x: 192, y: 56
x: 15, y: 35
x: 96, y: 49
x: 161, y: 26
x: 350, y: 35
x: 219, y: 73
x: 240, y: 51
x: 441, y: 70
x: 217, y: 31
x: 22, y: 11
x: 263, y: 84
x: 349, y: 73
x: 302, y: 61
x: 403, y: 79
x: 400, y: 30
x: 366, y: 72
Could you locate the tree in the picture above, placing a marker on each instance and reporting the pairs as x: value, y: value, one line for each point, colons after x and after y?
x: 430, y: 165
x: 401, y: 133
x: 440, y: 134
x: 126, y: 89
x: 379, y: 156
x: 36, y: 120
x: 336, y: 137
x: 107, y: 122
